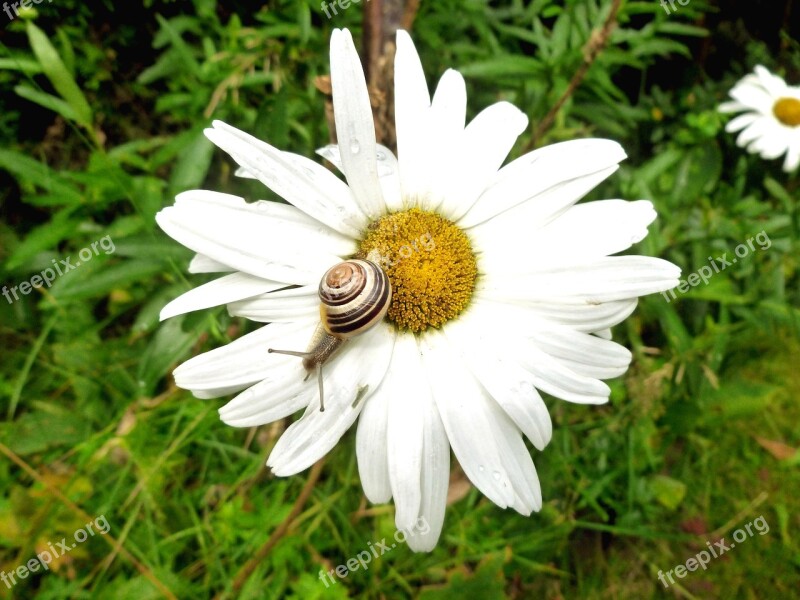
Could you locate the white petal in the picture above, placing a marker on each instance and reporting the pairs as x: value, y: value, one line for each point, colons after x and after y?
x: 601, y: 280
x: 563, y: 362
x: 283, y: 390
x: 742, y: 121
x: 388, y: 172
x: 244, y: 361
x: 772, y: 144
x: 488, y: 445
x: 508, y: 383
x: 483, y: 147
x: 228, y: 230
x: 355, y: 129
x: 412, y: 107
x: 350, y: 378
x: 774, y: 85
x: 466, y: 415
x: 753, y: 131
x: 449, y: 104
x: 408, y: 392
x: 435, y: 481
x: 523, y: 220
x: 542, y: 173
x: 445, y: 133
x: 585, y: 354
x: 300, y: 181
x: 284, y: 305
x: 730, y: 107
x: 220, y: 291
x: 371, y: 447
x: 580, y: 317
x: 753, y: 96
x: 604, y: 334
x: 586, y: 231
x: 554, y: 377
x: 792, y: 156
x: 244, y: 173
x: 204, y: 264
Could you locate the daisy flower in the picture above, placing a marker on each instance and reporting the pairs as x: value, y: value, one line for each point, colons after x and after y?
x: 770, y: 126
x: 502, y: 288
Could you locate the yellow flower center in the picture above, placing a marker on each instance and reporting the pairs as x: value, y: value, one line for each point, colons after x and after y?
x: 430, y: 263
x: 787, y: 111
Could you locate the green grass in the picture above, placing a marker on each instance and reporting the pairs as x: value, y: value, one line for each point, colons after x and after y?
x: 101, y: 127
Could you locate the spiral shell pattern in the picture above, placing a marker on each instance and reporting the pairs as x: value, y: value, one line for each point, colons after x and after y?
x: 354, y: 296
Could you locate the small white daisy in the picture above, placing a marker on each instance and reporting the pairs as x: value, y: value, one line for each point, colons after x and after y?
x: 501, y: 287
x: 771, y: 125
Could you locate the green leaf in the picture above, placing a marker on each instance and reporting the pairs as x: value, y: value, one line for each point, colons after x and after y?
x: 504, y: 66
x: 97, y: 278
x: 167, y: 347
x: 50, y: 102
x: 193, y: 162
x: 681, y: 29
x: 738, y: 398
x: 37, y: 431
x: 33, y: 172
x: 668, y: 491
x: 25, y: 65
x: 183, y: 50
x: 43, y: 237
x: 59, y: 76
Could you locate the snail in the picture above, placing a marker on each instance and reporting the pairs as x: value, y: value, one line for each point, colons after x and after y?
x: 354, y: 296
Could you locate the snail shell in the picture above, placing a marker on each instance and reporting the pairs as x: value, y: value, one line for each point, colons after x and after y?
x: 354, y: 295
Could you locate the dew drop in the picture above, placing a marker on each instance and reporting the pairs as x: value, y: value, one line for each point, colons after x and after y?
x: 480, y: 468
x: 380, y: 155
x: 496, y: 475
x: 355, y: 147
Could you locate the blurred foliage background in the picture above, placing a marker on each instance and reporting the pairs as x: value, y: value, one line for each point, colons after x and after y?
x: 101, y: 116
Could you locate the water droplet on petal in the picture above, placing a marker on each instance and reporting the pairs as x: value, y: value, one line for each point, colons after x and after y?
x: 355, y: 147
x: 496, y: 475
x: 480, y: 468
x: 380, y: 155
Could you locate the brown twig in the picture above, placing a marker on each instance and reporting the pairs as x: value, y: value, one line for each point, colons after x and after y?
x: 597, y: 41
x: 412, y: 7
x: 111, y: 540
x: 382, y: 19
x: 250, y: 566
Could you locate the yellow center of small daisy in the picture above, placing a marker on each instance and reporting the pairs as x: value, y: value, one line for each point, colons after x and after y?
x: 430, y: 263
x: 787, y: 111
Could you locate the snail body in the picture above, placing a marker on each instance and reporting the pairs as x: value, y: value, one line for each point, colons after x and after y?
x: 354, y: 297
